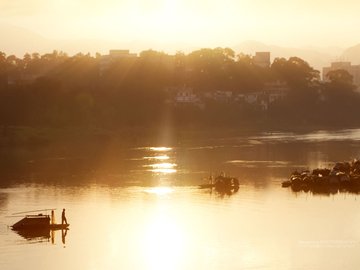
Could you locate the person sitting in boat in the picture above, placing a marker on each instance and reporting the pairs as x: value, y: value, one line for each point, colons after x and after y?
x: 63, y: 217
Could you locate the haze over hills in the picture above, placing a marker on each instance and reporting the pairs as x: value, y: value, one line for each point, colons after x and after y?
x: 352, y: 54
x: 18, y: 41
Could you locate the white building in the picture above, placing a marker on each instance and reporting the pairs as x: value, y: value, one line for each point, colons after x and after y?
x: 276, y: 90
x: 186, y: 95
x: 270, y: 93
x: 220, y: 96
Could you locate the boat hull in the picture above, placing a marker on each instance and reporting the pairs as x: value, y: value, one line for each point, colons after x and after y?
x: 52, y: 227
x: 36, y: 222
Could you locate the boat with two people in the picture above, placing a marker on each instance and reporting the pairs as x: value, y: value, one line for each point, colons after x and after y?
x: 39, y: 221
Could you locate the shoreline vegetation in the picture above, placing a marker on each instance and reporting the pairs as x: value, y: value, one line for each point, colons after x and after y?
x: 56, y: 97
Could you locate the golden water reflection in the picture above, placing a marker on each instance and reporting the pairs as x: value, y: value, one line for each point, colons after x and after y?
x: 160, y: 149
x: 178, y: 226
x: 187, y: 228
x: 163, y: 242
x: 163, y: 157
x: 158, y: 160
x: 160, y: 190
x: 165, y: 168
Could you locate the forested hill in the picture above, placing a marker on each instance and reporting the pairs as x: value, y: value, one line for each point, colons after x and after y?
x: 56, y: 90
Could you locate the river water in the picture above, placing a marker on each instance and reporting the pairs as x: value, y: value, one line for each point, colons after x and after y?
x: 140, y: 208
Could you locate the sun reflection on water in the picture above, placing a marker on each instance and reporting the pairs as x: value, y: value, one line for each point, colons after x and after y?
x: 160, y: 190
x: 166, y: 171
x: 160, y: 149
x: 162, y: 168
x: 163, y: 157
x: 163, y: 243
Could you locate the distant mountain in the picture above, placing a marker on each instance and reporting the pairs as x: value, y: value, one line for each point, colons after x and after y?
x: 316, y: 57
x: 18, y: 41
x: 352, y: 54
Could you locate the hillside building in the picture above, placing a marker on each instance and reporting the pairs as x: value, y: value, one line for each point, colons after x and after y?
x: 263, y: 98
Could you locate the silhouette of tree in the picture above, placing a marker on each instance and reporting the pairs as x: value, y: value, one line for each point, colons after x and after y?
x: 295, y: 71
x: 340, y: 77
x: 3, y: 69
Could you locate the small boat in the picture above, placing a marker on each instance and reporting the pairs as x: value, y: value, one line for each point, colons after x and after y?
x: 38, y: 222
x: 222, y: 183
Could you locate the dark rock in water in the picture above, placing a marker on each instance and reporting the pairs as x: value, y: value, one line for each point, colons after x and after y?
x: 344, y: 176
x: 342, y: 167
x: 286, y: 183
x: 321, y: 172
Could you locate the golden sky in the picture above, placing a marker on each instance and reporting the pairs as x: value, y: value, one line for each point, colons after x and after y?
x: 196, y: 22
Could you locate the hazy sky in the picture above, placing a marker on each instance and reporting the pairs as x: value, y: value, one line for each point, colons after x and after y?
x: 196, y: 22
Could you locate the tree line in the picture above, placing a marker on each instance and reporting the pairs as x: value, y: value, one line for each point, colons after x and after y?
x: 57, y: 90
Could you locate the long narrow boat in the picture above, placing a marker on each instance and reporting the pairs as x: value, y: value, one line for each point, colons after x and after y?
x: 35, y: 222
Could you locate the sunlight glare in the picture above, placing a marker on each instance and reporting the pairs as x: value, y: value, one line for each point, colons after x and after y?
x: 160, y: 149
x: 164, y: 244
x: 163, y: 167
x: 163, y: 157
x: 166, y: 171
x: 160, y: 190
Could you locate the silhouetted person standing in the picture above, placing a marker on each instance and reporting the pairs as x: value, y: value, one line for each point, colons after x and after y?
x: 63, y: 218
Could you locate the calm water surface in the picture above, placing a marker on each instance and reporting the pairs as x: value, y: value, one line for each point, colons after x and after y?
x: 141, y: 208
